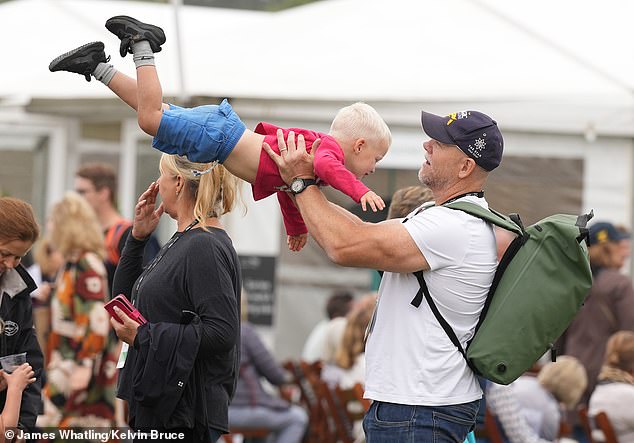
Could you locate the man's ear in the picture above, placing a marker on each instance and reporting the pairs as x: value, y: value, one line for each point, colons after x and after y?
x: 359, y: 144
x: 467, y: 167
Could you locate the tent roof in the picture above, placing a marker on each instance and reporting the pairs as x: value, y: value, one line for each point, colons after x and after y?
x: 344, y: 49
x: 455, y: 51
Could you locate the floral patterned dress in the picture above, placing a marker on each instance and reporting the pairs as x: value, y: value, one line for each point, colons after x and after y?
x: 80, y: 391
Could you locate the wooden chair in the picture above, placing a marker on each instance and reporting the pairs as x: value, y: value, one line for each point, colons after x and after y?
x: 492, y: 428
x: 602, y: 422
x: 307, y: 377
x: 348, y: 407
x: 586, y: 425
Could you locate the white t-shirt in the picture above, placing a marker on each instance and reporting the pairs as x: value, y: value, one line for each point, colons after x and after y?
x: 409, y: 357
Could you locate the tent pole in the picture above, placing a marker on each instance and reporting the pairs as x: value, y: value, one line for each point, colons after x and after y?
x: 183, y: 98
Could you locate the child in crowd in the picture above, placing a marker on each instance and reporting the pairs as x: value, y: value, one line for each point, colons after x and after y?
x: 357, y: 140
x: 16, y: 382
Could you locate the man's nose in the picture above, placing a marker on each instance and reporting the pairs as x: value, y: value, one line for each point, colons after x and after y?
x: 427, y: 146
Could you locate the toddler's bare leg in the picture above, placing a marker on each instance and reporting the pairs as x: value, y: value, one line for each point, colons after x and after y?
x: 125, y: 88
x: 149, y: 99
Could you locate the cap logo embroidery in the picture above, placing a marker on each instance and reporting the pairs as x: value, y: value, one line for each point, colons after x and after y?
x: 478, y: 146
x: 602, y: 236
x: 457, y: 116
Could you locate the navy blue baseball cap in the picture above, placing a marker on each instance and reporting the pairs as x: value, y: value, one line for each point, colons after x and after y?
x: 475, y: 133
x: 602, y: 232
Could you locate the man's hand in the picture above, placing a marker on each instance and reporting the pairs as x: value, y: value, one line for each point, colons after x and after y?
x: 126, y: 331
x: 374, y: 201
x: 293, y: 160
x: 296, y: 242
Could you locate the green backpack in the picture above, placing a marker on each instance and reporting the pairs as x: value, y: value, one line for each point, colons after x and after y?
x: 540, y: 283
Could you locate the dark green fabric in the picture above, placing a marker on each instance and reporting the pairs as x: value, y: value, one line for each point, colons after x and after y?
x: 538, y: 294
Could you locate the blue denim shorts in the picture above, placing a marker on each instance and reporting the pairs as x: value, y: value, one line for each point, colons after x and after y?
x: 203, y: 134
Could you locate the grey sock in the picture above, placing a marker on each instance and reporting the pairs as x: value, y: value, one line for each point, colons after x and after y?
x: 142, y: 54
x: 104, y: 73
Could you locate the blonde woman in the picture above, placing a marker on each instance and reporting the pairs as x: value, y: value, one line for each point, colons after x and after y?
x: 614, y: 393
x: 190, y: 296
x: 81, y: 363
x: 530, y: 408
x: 350, y: 356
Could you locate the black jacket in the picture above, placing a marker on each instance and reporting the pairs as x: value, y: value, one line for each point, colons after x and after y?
x: 18, y: 336
x: 161, y: 381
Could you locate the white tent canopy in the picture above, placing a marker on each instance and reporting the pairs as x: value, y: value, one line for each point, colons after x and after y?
x: 563, y: 73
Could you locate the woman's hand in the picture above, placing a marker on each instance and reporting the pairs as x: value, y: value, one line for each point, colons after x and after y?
x: 127, y: 330
x: 146, y: 218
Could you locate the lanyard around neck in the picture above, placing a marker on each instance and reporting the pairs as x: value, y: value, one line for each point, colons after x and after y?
x: 160, y: 255
x: 479, y: 194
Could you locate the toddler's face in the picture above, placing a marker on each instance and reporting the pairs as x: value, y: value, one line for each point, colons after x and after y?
x: 364, y: 162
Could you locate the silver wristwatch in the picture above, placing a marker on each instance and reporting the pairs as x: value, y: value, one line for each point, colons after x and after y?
x: 299, y: 184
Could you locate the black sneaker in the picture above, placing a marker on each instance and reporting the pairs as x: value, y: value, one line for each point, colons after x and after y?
x: 82, y: 60
x: 130, y: 30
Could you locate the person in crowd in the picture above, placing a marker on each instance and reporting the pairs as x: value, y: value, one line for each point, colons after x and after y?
x: 614, y: 393
x: 405, y: 200
x: 322, y: 342
x: 81, y: 365
x: 48, y: 262
x: 16, y: 382
x: 182, y: 365
x: 625, y: 243
x: 413, y: 372
x: 97, y: 183
x: 18, y: 232
x: 530, y: 408
x: 357, y: 140
x: 609, y: 306
x: 350, y: 355
x: 254, y: 406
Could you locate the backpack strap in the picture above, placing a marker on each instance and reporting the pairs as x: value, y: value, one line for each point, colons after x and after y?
x: 446, y: 327
x: 511, y: 223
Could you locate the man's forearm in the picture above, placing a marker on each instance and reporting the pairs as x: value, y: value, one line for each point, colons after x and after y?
x: 330, y: 225
x: 353, y: 218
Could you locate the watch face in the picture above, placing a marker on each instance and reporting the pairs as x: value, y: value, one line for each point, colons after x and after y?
x: 297, y: 185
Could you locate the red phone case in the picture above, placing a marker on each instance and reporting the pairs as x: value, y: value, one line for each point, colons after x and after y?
x: 121, y: 302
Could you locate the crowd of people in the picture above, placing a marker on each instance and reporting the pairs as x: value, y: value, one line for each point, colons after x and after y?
x: 192, y: 365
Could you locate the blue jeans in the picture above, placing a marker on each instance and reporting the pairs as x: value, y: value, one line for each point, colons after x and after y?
x: 389, y: 423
